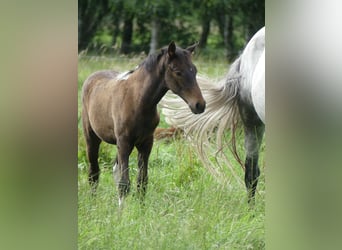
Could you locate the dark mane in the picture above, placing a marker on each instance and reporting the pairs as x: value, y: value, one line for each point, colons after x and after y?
x: 149, y: 63
x: 152, y: 60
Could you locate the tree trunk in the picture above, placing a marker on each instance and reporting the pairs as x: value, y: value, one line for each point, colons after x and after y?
x: 205, y: 32
x: 90, y: 16
x: 86, y: 30
x: 154, y: 35
x: 116, y: 30
x: 127, y: 34
x: 225, y: 30
x: 231, y: 50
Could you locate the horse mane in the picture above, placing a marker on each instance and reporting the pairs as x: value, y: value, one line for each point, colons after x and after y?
x: 148, y: 64
x: 152, y: 60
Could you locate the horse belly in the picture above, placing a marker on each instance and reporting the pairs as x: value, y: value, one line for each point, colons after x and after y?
x: 249, y: 60
x: 101, y: 120
x: 103, y: 128
x: 258, y: 88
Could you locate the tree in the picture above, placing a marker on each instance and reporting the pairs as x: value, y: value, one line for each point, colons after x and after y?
x: 147, y: 25
x: 223, y: 12
x: 129, y: 10
x: 159, y: 17
x: 205, y: 17
x: 115, y: 18
x: 90, y: 16
x: 253, y: 16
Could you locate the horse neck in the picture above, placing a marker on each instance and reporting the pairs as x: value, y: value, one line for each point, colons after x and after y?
x: 154, y: 87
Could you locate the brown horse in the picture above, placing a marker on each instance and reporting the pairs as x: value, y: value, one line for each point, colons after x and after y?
x: 121, y: 109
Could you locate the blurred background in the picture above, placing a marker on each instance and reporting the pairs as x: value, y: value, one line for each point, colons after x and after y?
x: 132, y: 26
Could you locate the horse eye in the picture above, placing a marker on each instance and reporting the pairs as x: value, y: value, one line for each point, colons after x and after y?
x: 176, y: 71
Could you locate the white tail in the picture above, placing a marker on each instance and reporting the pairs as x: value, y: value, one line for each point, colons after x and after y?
x: 220, y: 115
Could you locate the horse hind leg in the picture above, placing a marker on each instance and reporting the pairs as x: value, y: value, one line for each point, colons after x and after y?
x: 92, y: 147
x: 93, y: 154
x: 253, y: 138
x: 254, y: 130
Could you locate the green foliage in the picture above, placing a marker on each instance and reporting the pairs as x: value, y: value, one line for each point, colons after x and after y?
x: 184, y: 208
x: 101, y: 22
x: 102, y: 38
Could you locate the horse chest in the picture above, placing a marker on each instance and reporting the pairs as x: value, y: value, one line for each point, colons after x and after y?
x: 147, y: 123
x: 137, y: 126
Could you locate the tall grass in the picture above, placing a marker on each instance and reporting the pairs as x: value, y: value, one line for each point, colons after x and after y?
x: 184, y: 208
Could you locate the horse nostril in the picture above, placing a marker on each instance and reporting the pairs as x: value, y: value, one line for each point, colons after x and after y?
x: 199, y: 107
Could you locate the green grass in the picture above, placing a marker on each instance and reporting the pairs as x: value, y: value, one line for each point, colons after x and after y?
x: 184, y: 208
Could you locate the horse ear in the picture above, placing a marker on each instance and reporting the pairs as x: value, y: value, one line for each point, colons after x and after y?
x: 192, y: 47
x: 171, y: 50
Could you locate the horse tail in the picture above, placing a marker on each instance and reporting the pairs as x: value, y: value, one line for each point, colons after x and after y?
x: 221, y: 114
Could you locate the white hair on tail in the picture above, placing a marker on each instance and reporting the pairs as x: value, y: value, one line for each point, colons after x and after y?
x: 221, y: 113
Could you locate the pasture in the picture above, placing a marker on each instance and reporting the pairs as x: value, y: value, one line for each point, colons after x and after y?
x: 184, y: 208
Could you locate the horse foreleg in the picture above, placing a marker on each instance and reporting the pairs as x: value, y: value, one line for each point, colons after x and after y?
x: 116, y: 171
x: 121, y: 171
x: 143, y: 156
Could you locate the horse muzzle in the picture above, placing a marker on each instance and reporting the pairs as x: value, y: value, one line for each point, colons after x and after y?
x: 198, y: 107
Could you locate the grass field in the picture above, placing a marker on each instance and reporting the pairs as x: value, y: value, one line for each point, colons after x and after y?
x: 185, y: 208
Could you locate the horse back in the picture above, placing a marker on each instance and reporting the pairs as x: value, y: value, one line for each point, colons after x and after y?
x: 96, y: 79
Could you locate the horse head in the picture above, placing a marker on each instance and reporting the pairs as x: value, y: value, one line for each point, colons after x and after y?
x: 180, y: 76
